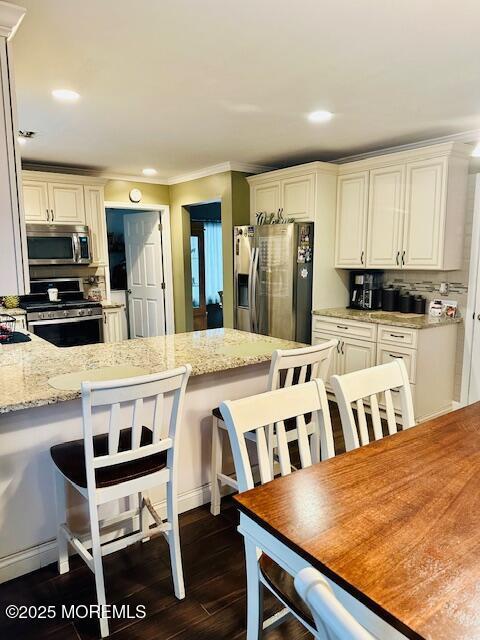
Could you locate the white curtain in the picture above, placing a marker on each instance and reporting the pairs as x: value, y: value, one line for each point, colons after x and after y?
x: 213, y: 262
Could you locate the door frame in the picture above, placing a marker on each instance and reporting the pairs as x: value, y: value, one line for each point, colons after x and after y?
x: 164, y: 213
x: 472, y: 302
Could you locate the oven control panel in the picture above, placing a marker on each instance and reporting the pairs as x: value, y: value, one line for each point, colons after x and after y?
x: 61, y: 314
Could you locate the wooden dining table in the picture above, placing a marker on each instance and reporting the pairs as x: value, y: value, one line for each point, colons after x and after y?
x: 394, y: 526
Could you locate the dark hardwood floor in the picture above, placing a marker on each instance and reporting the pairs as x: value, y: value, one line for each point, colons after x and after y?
x: 214, y: 608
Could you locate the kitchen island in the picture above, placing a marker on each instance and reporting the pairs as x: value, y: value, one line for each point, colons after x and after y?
x: 34, y: 415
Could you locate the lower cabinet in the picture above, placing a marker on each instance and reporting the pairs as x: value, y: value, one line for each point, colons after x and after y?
x: 428, y: 354
x: 112, y: 324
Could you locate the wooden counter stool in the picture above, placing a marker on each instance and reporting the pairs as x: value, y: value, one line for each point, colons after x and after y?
x: 120, y: 463
x: 288, y: 367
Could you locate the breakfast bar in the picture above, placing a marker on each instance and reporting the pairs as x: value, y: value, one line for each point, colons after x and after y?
x: 40, y: 407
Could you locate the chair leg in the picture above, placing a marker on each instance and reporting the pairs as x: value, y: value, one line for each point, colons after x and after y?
x: 143, y: 518
x: 216, y: 468
x: 61, y: 506
x: 254, y: 593
x: 173, y: 537
x: 98, y: 564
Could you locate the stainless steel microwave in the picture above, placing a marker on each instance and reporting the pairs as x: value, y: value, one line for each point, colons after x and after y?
x: 58, y: 244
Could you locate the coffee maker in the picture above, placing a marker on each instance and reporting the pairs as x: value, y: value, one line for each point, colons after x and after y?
x: 366, y: 290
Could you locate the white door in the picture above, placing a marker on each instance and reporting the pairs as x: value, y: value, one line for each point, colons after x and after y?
x: 264, y: 197
x: 35, y: 201
x: 351, y: 226
x: 143, y: 250
x: 67, y: 204
x: 425, y: 200
x: 298, y: 197
x: 385, y: 217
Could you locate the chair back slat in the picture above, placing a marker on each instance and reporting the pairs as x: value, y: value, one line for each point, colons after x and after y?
x: 362, y: 422
x: 390, y: 412
x: 114, y: 428
x: 288, y: 378
x: 131, y: 393
x: 376, y: 420
x: 137, y: 423
x: 368, y: 385
x: 258, y: 413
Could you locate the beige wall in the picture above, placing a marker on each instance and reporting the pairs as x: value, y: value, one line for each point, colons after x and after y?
x: 118, y: 190
x: 231, y: 189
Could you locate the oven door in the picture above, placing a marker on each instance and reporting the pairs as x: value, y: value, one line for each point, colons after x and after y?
x: 68, y: 333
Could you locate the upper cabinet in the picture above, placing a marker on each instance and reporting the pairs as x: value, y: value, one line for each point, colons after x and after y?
x: 265, y: 197
x: 298, y: 197
x: 352, y: 202
x: 413, y: 215
x: 49, y: 200
x: 96, y: 222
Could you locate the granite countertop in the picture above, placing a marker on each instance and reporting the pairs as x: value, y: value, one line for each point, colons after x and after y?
x: 106, y: 304
x: 13, y: 312
x: 26, y: 368
x: 392, y: 318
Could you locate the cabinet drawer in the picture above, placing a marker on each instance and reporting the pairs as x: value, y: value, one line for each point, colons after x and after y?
x: 387, y: 353
x: 398, y: 336
x: 347, y: 328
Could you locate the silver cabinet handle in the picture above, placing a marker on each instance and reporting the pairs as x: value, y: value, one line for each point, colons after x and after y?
x: 361, y: 257
x: 51, y: 211
x: 48, y: 215
x: 398, y: 258
x: 403, y: 258
x: 343, y: 353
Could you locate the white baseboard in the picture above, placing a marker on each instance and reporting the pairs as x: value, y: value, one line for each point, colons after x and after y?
x: 22, y: 562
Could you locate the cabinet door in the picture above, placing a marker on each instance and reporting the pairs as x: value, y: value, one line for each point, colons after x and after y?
x: 66, y: 203
x: 112, y: 327
x: 95, y: 219
x: 357, y: 354
x: 298, y: 197
x: 35, y: 201
x: 424, y: 233
x: 264, y: 197
x: 351, y: 225
x: 385, y: 217
x: 336, y: 363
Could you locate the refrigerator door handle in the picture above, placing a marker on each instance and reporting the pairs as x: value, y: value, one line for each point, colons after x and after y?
x: 250, y: 289
x: 254, y: 296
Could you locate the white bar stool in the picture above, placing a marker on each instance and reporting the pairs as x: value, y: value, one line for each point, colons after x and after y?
x: 288, y: 367
x: 120, y: 463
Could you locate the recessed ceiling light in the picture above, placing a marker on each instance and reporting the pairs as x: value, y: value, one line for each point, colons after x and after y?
x: 65, y: 95
x: 476, y: 151
x: 149, y: 172
x: 320, y: 116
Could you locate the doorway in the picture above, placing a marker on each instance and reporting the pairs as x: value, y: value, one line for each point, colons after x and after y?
x: 140, y: 268
x: 206, y: 257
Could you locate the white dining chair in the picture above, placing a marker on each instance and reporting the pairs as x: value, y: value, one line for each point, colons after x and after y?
x: 257, y: 414
x: 120, y: 463
x: 332, y: 620
x: 288, y: 367
x: 373, y: 387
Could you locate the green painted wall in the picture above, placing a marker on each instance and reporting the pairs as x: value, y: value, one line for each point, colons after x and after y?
x: 118, y: 190
x: 231, y: 189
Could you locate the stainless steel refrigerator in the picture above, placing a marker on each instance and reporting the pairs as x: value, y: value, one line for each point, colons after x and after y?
x: 273, y: 272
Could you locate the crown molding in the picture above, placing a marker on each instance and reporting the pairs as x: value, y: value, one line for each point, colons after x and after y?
x: 243, y: 167
x: 464, y: 136
x: 10, y: 18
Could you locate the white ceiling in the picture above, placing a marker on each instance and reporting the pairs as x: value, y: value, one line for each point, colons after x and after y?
x: 182, y: 84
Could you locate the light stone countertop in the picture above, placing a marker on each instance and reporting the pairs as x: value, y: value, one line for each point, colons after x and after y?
x: 13, y: 312
x: 25, y: 368
x: 106, y: 304
x: 391, y: 318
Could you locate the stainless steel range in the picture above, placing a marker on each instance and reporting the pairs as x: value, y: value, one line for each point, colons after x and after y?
x: 68, y: 322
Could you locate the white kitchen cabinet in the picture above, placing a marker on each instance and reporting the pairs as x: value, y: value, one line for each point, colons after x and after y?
x: 66, y: 203
x: 265, y: 197
x: 35, y: 201
x: 112, y: 324
x: 351, y: 225
x: 385, y: 217
x: 298, y: 197
x: 432, y: 386
x: 425, y: 205
x: 95, y: 219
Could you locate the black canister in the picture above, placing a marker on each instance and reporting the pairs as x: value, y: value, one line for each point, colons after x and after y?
x: 405, y: 302
x: 419, y: 303
x: 390, y: 299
